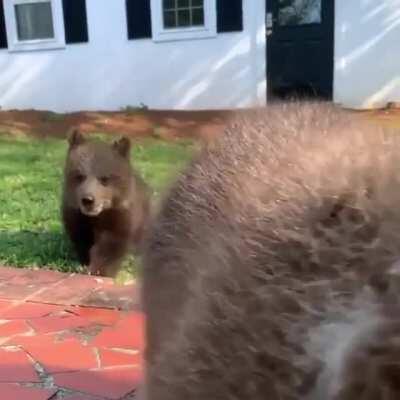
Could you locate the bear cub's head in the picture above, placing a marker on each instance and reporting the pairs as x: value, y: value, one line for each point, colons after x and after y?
x: 98, y: 175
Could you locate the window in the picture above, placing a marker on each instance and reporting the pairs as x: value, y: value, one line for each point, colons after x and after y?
x: 34, y: 24
x: 183, y: 19
x: 34, y: 21
x: 299, y: 12
x: 183, y: 13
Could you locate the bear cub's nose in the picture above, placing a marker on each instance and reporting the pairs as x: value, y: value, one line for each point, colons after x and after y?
x: 87, y: 201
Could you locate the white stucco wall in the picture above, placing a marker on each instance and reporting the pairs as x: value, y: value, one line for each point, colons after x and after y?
x: 367, y: 57
x: 111, y: 72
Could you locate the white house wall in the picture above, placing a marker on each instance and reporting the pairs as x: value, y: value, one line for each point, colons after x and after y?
x: 111, y: 72
x: 367, y: 58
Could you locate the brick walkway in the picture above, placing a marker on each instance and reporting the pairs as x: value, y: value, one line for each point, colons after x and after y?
x: 70, y: 337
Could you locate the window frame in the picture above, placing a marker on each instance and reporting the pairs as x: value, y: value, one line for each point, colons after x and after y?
x: 14, y: 44
x: 161, y: 34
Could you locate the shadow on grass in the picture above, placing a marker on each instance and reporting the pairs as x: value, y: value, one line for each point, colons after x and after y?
x: 37, y: 249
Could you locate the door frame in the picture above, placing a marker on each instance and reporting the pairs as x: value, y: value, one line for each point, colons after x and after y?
x: 269, y: 93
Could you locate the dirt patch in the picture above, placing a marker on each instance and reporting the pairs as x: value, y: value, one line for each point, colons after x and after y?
x: 160, y: 124
x: 166, y: 125
x: 388, y: 117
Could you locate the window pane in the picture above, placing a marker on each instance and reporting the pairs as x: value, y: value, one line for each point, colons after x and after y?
x: 169, y: 19
x: 168, y: 4
x: 198, y: 16
x: 34, y: 21
x: 183, y: 18
x: 183, y: 13
x: 299, y: 12
x: 183, y: 3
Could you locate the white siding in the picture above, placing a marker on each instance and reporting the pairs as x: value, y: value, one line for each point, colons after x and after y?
x: 111, y: 72
x: 367, y: 53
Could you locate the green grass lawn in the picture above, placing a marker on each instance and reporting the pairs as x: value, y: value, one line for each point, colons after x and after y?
x: 31, y: 233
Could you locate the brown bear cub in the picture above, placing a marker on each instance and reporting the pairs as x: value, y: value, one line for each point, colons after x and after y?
x: 105, y: 203
x: 272, y: 270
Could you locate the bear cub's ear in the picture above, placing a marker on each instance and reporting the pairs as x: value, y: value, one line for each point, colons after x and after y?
x: 123, y: 147
x: 75, y: 138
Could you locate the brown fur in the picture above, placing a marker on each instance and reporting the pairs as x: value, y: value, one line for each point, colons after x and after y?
x: 273, y: 255
x: 105, y: 203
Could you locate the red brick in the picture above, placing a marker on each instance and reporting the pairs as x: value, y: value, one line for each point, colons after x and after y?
x: 14, y: 328
x: 58, y: 323
x: 19, y: 284
x: 4, y: 304
x: 38, y: 277
x: 28, y: 311
x: 13, y: 291
x: 112, y: 383
x: 66, y: 356
x: 15, y: 392
x: 26, y: 342
x: 113, y: 358
x: 7, y: 274
x: 113, y: 296
x: 78, y: 397
x: 70, y: 291
x: 128, y: 333
x: 16, y: 367
x: 99, y: 316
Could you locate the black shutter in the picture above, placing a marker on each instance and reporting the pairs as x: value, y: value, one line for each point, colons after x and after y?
x: 138, y: 19
x: 75, y: 21
x: 3, y: 33
x: 229, y: 15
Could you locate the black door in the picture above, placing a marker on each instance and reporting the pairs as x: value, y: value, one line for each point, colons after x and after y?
x: 300, y: 48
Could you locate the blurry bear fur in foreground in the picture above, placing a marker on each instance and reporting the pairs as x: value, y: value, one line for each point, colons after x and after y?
x: 272, y: 270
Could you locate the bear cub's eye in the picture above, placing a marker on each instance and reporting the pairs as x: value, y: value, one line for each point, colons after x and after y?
x: 105, y: 180
x: 78, y: 177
